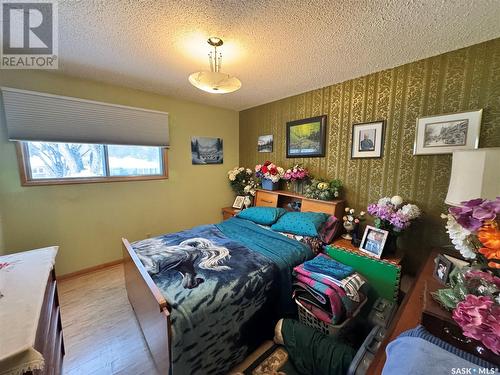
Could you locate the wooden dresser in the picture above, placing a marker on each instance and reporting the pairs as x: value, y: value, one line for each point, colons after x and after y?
x: 31, y: 341
x: 282, y: 198
x: 49, y: 335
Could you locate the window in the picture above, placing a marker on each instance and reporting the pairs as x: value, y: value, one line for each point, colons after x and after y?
x: 45, y: 163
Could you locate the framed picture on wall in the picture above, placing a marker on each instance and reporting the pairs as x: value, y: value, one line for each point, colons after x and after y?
x: 306, y: 138
x: 367, y: 139
x: 265, y: 143
x: 444, y: 134
x: 206, y: 150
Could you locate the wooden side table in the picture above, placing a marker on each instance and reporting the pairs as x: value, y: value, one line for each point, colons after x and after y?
x: 229, y: 212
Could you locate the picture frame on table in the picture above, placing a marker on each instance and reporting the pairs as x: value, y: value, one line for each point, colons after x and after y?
x: 443, y: 134
x: 239, y: 202
x: 306, y: 138
x: 442, y: 269
x: 368, y: 139
x: 373, y: 241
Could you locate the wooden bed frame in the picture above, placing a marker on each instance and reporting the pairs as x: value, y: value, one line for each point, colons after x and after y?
x: 151, y: 308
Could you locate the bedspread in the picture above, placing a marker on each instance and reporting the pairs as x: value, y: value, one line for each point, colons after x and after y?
x: 222, y: 283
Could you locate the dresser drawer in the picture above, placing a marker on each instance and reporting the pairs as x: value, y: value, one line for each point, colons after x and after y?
x: 265, y: 199
x: 317, y: 206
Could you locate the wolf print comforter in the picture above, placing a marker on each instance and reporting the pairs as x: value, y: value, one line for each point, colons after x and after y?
x: 224, y: 284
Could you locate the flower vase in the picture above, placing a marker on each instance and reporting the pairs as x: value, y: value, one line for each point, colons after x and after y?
x: 268, y: 184
x: 391, y: 245
x: 356, y: 238
x: 298, y: 186
x: 349, y: 227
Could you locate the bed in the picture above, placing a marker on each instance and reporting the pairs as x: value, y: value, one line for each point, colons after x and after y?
x: 214, y: 297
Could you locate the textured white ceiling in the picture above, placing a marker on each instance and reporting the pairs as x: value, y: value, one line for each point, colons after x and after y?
x: 277, y: 48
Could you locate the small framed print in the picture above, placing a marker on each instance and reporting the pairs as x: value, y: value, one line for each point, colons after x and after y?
x: 373, y: 241
x: 367, y: 140
x: 442, y: 269
x: 444, y: 134
x: 239, y: 202
x: 265, y: 143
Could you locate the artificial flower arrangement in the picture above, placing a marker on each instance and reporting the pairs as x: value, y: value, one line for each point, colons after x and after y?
x: 269, y: 171
x: 296, y: 173
x: 242, y: 181
x: 322, y: 189
x: 474, y: 299
x: 351, y: 221
x: 392, y: 215
x: 474, y: 230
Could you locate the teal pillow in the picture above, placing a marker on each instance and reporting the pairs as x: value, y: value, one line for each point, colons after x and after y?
x: 262, y: 215
x: 301, y: 223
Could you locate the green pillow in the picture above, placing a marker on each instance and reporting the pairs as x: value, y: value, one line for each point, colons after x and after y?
x: 301, y: 223
x: 262, y: 215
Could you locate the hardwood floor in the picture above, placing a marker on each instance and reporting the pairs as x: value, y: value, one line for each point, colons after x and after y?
x: 101, y: 333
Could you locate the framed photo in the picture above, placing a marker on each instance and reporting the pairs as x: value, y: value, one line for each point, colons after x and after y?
x: 373, y: 241
x: 306, y: 138
x: 239, y: 202
x: 265, y: 143
x: 367, y: 140
x: 442, y: 269
x: 207, y: 150
x: 444, y: 134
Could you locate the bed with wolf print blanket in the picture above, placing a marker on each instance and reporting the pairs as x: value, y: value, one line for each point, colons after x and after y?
x: 225, y: 284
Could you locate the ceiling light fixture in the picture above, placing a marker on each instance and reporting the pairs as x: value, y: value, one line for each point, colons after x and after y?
x: 213, y: 80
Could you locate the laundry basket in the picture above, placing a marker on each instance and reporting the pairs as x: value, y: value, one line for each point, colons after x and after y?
x: 308, y: 318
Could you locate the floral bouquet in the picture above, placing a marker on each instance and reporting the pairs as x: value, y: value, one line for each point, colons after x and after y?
x: 296, y: 173
x: 324, y: 190
x: 474, y: 229
x: 269, y: 171
x: 242, y: 181
x: 474, y: 299
x: 390, y: 214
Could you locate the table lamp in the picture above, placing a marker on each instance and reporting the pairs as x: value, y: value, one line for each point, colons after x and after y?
x: 474, y: 174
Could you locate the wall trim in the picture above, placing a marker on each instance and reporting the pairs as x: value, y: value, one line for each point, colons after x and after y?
x: 89, y: 270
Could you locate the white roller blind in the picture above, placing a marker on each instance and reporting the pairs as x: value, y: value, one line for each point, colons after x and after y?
x: 34, y: 116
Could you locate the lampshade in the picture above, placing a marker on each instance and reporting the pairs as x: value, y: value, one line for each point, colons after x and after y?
x: 214, y: 82
x: 474, y: 174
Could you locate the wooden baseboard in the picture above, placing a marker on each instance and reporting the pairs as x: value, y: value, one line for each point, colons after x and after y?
x: 89, y: 270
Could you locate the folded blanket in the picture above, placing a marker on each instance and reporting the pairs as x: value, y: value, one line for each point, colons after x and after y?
x: 327, y: 266
x: 350, y: 285
x: 340, y: 305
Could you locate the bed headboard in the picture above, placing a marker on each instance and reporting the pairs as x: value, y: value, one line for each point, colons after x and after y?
x: 282, y: 198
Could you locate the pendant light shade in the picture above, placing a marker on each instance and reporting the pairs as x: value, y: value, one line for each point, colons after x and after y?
x: 213, y: 80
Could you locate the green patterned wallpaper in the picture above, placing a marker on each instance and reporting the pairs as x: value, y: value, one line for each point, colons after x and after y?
x: 461, y: 80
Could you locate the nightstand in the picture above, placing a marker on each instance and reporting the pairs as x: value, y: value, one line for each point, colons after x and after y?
x: 229, y: 212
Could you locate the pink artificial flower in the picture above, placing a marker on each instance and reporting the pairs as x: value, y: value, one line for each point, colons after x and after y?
x: 479, y: 319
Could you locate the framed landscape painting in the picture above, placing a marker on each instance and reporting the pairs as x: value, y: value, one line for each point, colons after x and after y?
x: 306, y: 138
x: 265, y: 143
x: 367, y: 140
x: 206, y: 150
x: 444, y: 134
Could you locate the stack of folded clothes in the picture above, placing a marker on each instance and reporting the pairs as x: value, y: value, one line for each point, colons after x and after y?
x: 330, y: 290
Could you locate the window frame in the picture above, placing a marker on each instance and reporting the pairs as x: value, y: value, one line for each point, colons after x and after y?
x: 27, y: 180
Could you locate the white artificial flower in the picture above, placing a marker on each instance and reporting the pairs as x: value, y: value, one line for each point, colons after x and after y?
x: 411, y: 211
x: 241, y: 169
x: 247, y: 188
x: 384, y: 201
x: 351, y: 211
x: 232, y: 177
x: 249, y: 171
x: 258, y: 167
x: 347, y: 209
x: 397, y: 200
x: 460, y: 238
x: 362, y: 213
x: 350, y: 218
x: 281, y: 171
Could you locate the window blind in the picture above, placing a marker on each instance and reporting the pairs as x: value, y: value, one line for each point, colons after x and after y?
x: 34, y: 116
